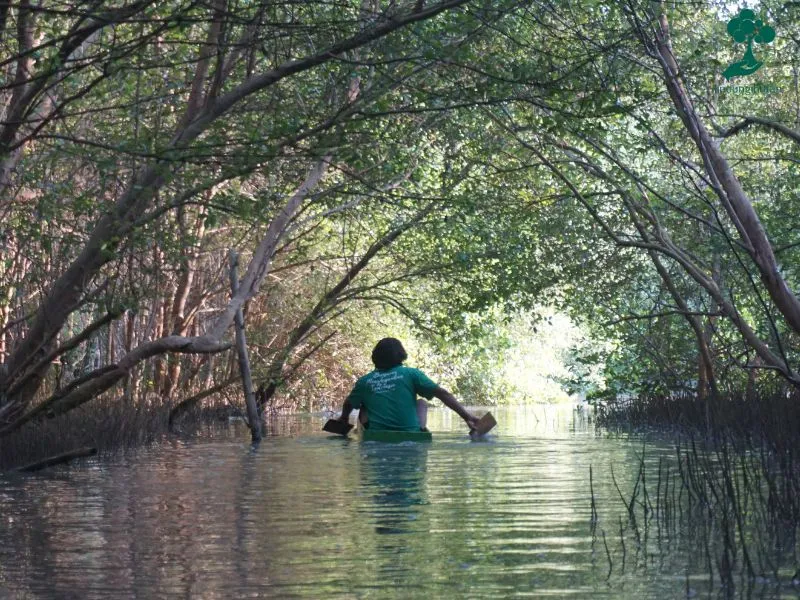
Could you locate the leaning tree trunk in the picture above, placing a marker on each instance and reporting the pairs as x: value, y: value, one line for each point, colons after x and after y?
x: 726, y: 185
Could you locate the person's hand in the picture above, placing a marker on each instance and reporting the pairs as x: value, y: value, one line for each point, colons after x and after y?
x: 344, y: 419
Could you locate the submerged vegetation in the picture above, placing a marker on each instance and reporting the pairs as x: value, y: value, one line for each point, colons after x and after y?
x: 442, y: 169
x: 729, y: 490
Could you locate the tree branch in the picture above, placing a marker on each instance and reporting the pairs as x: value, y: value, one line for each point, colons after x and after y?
x: 100, y: 380
x: 774, y: 125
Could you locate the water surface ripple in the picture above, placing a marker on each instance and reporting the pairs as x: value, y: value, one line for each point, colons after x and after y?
x: 309, y: 516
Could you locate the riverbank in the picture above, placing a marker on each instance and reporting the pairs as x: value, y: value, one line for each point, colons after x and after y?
x: 108, y: 426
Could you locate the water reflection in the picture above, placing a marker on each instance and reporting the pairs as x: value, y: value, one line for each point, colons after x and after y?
x: 394, y: 475
x: 311, y: 516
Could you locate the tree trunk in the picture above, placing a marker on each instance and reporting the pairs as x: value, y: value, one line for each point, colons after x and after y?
x: 253, y: 418
x: 179, y: 322
x: 727, y: 186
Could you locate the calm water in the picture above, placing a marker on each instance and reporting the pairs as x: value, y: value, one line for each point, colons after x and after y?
x: 309, y: 516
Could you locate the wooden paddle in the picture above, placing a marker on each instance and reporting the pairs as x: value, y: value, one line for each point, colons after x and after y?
x: 338, y: 427
x: 485, y: 424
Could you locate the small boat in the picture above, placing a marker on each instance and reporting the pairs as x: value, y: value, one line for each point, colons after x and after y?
x: 386, y: 435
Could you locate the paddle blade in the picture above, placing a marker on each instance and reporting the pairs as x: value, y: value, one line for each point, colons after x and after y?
x: 485, y: 424
x: 336, y: 426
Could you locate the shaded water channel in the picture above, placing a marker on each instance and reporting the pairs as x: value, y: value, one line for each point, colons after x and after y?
x: 309, y: 516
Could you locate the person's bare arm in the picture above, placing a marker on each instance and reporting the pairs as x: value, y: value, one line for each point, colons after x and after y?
x: 450, y: 402
x: 347, y: 408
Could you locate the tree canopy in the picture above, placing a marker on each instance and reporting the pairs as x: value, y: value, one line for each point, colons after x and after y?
x: 459, y: 164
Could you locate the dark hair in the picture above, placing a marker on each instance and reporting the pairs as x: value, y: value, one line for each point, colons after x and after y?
x: 388, y: 353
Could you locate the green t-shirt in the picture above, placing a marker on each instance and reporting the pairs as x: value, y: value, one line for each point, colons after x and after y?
x: 390, y: 397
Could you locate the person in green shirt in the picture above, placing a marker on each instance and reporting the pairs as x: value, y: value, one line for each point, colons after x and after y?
x: 387, y: 397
